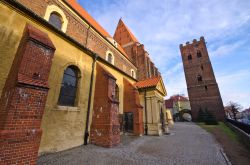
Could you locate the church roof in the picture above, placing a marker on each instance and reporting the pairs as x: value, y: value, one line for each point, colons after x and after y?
x: 152, y: 82
x: 79, y: 9
x: 123, y: 34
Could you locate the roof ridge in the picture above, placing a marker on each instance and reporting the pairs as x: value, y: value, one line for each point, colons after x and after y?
x: 80, y: 10
x: 129, y: 31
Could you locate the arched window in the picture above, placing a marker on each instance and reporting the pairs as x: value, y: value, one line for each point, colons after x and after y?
x: 199, y: 54
x: 69, y: 86
x: 56, y: 20
x: 133, y: 73
x: 189, y: 57
x: 116, y: 92
x: 55, y: 16
x: 199, y: 78
x: 110, y: 57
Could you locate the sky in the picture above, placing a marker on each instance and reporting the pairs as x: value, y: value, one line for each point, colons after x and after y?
x: 162, y: 25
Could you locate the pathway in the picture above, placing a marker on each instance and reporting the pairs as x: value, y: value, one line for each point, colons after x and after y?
x: 188, y: 144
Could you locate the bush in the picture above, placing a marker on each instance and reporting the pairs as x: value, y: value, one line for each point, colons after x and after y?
x: 206, y: 117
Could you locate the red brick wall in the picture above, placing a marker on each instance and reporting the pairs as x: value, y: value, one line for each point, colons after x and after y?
x: 199, y: 96
x: 132, y: 104
x: 79, y: 31
x: 23, y: 99
x: 105, y: 127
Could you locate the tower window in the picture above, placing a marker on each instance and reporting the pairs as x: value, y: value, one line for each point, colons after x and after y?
x: 202, y: 67
x: 69, y: 87
x: 199, y: 54
x: 189, y: 57
x: 56, y: 20
x: 199, y: 78
x: 205, y: 87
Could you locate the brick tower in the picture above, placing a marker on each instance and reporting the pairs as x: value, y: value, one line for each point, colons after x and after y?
x: 202, y: 87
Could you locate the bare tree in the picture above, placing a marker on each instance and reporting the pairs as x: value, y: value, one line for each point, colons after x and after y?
x: 233, y: 108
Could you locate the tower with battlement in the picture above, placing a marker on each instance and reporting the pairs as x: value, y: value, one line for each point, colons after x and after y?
x: 202, y: 87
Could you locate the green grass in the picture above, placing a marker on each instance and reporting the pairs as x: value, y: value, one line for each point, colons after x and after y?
x: 222, y: 127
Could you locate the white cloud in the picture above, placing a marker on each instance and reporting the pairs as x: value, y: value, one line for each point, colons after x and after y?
x: 234, y: 86
x: 226, y: 49
x: 162, y: 25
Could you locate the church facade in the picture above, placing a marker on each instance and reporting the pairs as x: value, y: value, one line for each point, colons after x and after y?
x: 65, y: 81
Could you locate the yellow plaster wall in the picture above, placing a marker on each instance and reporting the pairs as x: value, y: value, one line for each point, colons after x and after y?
x: 154, y: 103
x: 9, y: 41
x: 63, y: 127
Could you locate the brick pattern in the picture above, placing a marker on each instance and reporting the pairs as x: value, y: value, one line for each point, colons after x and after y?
x: 23, y: 99
x: 132, y: 104
x: 136, y: 52
x: 80, y: 32
x: 105, y: 127
x: 203, y: 95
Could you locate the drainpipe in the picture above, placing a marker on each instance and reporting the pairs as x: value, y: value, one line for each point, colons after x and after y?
x: 86, y: 134
x: 146, y: 114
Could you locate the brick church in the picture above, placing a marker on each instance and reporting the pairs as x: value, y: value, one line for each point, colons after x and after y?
x: 65, y: 81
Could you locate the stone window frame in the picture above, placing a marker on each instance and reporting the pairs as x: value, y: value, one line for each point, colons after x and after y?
x: 113, y: 57
x: 132, y: 71
x: 55, y: 9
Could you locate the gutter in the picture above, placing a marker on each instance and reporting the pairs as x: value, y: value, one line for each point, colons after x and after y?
x: 146, y: 113
x: 86, y: 133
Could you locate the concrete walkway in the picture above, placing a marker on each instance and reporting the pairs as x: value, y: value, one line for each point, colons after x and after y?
x: 188, y: 144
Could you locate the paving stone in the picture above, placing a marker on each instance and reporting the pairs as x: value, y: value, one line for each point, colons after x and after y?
x: 187, y: 144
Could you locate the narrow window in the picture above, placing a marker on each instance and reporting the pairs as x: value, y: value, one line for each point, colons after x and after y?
x: 199, y: 78
x: 132, y: 73
x: 189, y: 57
x: 110, y: 58
x: 199, y: 54
x: 69, y: 87
x: 116, y: 92
x: 202, y: 67
x: 205, y: 87
x: 56, y: 20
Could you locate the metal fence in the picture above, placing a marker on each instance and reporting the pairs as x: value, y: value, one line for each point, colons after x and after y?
x: 244, y: 127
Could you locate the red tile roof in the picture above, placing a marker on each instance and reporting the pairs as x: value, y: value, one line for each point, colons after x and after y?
x: 174, y: 98
x: 178, y: 98
x: 152, y: 82
x: 92, y: 21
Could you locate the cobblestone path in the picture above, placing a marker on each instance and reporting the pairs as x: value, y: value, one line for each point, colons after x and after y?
x: 188, y: 144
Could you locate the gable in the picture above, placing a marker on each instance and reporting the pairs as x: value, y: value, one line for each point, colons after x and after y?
x: 161, y: 87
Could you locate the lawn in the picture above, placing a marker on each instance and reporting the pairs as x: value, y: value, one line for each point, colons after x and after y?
x: 222, y: 127
x: 230, y: 141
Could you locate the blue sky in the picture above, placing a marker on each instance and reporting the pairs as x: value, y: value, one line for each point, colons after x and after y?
x: 162, y: 25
